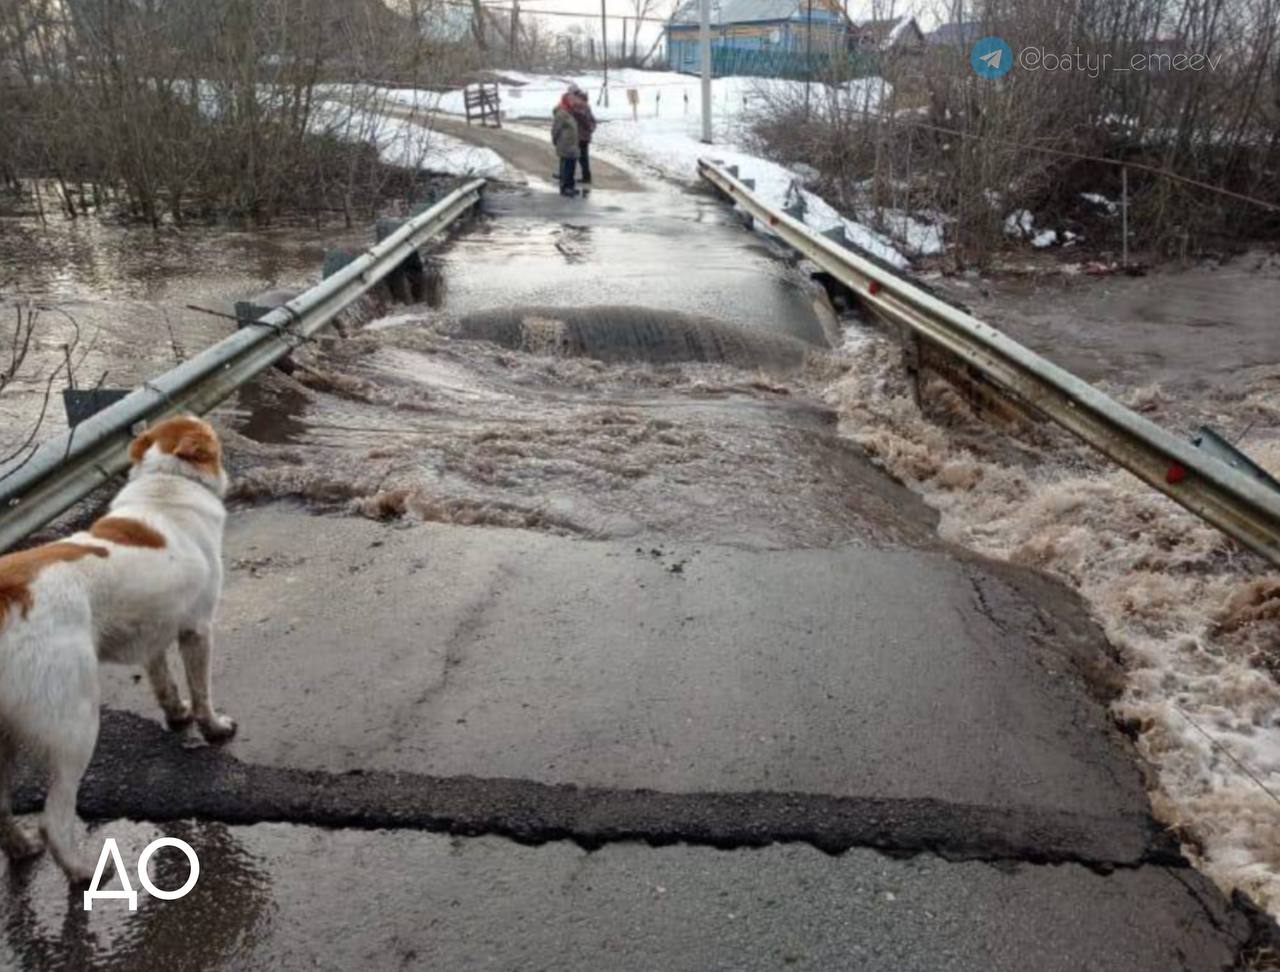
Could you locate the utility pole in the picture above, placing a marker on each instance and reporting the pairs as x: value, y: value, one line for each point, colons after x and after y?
x: 1124, y: 215
x: 808, y: 58
x: 604, y: 43
x: 705, y: 36
x: 515, y: 31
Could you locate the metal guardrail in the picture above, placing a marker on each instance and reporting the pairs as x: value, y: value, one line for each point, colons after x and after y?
x: 1234, y: 503
x: 67, y: 468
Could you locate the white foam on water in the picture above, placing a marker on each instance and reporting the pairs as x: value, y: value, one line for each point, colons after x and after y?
x: 1196, y: 621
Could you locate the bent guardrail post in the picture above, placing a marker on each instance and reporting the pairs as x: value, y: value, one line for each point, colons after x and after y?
x: 65, y: 469
x: 1211, y: 489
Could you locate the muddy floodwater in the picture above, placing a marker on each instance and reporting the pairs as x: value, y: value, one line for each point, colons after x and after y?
x: 1210, y: 329
x: 120, y: 299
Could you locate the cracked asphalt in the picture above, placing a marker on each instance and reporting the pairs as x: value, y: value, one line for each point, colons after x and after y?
x: 478, y: 747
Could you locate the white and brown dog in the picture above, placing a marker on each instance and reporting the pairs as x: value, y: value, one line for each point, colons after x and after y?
x: 144, y: 576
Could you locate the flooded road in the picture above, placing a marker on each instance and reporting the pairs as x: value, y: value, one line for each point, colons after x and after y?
x: 617, y: 249
x: 580, y: 592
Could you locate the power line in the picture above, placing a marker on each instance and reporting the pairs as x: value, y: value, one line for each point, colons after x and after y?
x: 1083, y: 156
x: 503, y: 8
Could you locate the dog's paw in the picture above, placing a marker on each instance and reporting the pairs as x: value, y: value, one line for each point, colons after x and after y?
x: 218, y: 728
x: 21, y: 844
x: 178, y: 717
x: 80, y: 874
x: 78, y: 870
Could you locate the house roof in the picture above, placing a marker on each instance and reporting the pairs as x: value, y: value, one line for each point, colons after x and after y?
x: 885, y: 33
x: 736, y: 11
x: 957, y: 32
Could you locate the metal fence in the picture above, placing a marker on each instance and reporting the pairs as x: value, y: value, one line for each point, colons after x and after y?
x: 772, y: 62
x: 793, y: 65
x: 1217, y: 492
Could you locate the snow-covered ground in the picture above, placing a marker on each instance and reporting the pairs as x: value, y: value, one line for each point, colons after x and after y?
x: 359, y: 113
x: 407, y: 142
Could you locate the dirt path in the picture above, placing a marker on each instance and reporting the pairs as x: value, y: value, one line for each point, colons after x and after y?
x: 531, y: 156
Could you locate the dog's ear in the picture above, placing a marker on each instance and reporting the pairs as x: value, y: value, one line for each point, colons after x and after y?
x: 196, y: 449
x: 139, y: 446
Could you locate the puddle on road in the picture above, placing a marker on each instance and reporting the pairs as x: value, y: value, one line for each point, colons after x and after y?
x: 45, y: 927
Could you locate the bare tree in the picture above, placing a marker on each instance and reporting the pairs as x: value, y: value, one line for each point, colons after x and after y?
x: 208, y: 108
x: 643, y: 10
x: 34, y: 361
x: 1201, y: 146
x: 478, y: 25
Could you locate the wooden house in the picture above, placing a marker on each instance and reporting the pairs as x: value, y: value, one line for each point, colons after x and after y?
x: 894, y: 34
x: 769, y: 38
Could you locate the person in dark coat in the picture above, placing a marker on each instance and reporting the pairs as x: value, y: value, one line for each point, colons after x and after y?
x: 586, y: 125
x: 564, y: 135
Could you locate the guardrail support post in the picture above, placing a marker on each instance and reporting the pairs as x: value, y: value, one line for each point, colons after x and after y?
x: 259, y: 306
x: 911, y: 361
x: 407, y: 282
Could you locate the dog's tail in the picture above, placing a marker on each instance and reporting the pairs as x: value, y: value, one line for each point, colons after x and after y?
x: 18, y: 570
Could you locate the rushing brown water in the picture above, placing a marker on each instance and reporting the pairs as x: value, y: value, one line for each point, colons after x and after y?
x: 1195, y: 619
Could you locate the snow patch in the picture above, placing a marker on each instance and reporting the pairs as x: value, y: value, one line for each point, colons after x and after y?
x: 1019, y: 223
x: 406, y: 143
x: 1101, y: 201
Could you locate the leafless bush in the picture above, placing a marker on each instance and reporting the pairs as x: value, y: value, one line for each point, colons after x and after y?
x: 34, y: 365
x: 205, y: 106
x: 977, y: 149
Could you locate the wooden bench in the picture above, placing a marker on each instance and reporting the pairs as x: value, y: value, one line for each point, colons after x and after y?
x: 484, y: 102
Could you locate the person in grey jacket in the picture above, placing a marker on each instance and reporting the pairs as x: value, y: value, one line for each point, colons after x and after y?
x: 564, y: 135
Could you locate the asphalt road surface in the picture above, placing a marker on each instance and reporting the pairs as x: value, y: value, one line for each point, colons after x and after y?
x: 632, y: 669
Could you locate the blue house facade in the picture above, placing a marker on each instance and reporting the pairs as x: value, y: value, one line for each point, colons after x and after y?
x: 767, y: 38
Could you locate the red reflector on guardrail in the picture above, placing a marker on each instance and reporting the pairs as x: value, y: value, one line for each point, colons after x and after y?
x: 1175, y: 474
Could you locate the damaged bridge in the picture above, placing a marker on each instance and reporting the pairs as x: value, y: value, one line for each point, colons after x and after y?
x: 565, y: 631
